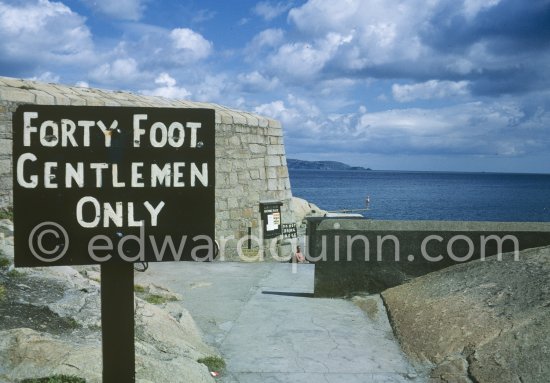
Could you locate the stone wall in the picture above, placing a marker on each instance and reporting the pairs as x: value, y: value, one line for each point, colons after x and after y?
x: 360, y: 255
x: 250, y: 154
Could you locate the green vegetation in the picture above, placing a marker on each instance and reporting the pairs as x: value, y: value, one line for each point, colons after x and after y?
x: 14, y: 273
x: 214, y: 363
x: 139, y: 289
x: 154, y: 299
x: 71, y: 323
x: 2, y: 292
x: 158, y: 299
x: 4, y: 262
x: 6, y: 213
x: 55, y: 379
x: 27, y: 87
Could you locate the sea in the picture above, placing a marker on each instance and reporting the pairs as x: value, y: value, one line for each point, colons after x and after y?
x: 407, y: 195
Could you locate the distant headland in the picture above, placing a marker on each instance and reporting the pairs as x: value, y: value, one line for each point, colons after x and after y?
x: 321, y: 165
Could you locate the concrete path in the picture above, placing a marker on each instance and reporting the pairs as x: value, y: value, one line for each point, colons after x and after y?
x: 268, y: 328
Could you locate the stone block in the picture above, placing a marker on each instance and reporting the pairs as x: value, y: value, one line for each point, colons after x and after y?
x: 5, y: 166
x: 272, y: 161
x: 225, y: 117
x: 17, y: 95
x: 233, y: 179
x: 224, y: 166
x: 275, y: 140
x: 256, y: 139
x: 242, y: 128
x: 6, y: 183
x: 274, y: 124
x: 5, y: 129
x: 282, y: 172
x: 262, y: 173
x: 76, y: 100
x: 232, y: 203
x: 275, y: 132
x: 251, y: 120
x: 263, y: 122
x: 272, y: 185
x: 61, y: 99
x: 15, y: 82
x: 5, y: 146
x: 239, y: 119
x: 235, y: 214
x: 257, y: 149
x: 276, y: 149
x: 235, y: 140
x: 271, y: 172
x: 43, y: 98
x: 93, y: 101
x: 254, y: 174
x: 244, y: 177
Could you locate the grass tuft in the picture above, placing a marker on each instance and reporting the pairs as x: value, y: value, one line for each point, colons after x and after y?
x: 55, y: 379
x: 4, y: 263
x: 214, y: 363
x: 139, y: 289
x: 6, y: 213
x: 158, y: 299
x: 14, y: 273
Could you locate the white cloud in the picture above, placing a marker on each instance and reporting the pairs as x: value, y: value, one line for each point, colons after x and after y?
x: 191, y: 43
x: 119, y: 9
x: 472, y: 7
x: 168, y: 88
x: 267, y: 38
x: 166, y: 80
x: 269, y: 10
x: 46, y: 77
x: 43, y: 31
x: 476, y: 128
x: 275, y: 109
x: 304, y: 60
x: 298, y: 115
x: 120, y: 71
x: 213, y: 88
x: 320, y: 16
x: 472, y: 128
x: 432, y: 89
x: 255, y: 81
x: 348, y: 36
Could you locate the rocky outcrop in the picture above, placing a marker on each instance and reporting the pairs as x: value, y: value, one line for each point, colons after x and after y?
x: 482, y: 321
x: 301, y: 209
x: 50, y: 324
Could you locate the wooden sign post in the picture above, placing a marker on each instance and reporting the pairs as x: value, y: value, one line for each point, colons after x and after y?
x: 113, y: 186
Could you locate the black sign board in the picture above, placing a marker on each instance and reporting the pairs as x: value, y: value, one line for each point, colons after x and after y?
x: 271, y: 218
x: 112, y: 184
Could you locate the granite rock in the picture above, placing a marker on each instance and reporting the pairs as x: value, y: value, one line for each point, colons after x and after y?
x: 484, y: 321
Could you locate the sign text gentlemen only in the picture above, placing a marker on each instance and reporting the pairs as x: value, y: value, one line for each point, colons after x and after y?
x: 111, y: 184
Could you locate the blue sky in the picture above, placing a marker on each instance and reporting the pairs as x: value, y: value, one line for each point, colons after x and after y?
x: 390, y: 84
